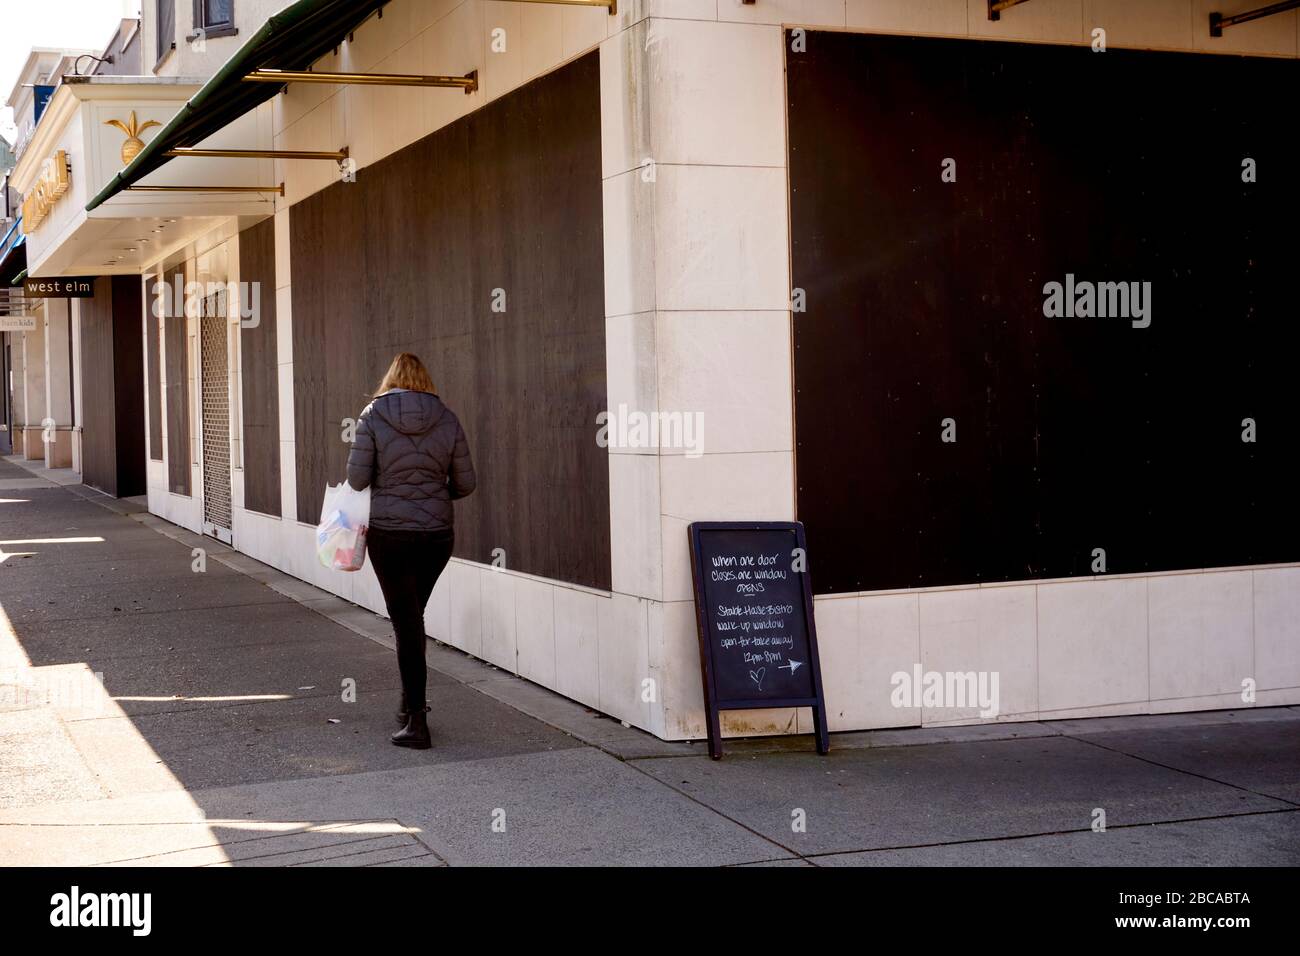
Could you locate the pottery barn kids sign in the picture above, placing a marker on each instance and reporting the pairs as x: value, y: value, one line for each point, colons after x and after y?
x: 754, y: 614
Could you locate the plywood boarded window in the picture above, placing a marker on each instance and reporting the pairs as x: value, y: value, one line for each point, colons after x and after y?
x: 153, y: 364
x: 925, y: 302
x: 500, y: 207
x: 259, y: 379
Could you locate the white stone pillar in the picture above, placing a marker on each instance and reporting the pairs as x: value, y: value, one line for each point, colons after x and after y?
x: 697, y: 305
x: 18, y: 414
x: 33, y: 348
x: 77, y: 418
x: 58, y: 384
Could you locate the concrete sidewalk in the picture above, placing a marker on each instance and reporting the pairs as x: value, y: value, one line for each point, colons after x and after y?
x: 227, y: 740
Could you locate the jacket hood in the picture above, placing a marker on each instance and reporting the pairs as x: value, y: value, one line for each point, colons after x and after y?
x: 411, y: 413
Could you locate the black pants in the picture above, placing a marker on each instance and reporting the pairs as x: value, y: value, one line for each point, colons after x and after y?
x: 408, y: 564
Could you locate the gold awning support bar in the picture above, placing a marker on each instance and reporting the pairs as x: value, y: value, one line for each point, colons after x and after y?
x: 1218, y: 21
x: 997, y: 6
x: 337, y: 155
x: 612, y: 4
x: 279, y: 190
x: 468, y: 82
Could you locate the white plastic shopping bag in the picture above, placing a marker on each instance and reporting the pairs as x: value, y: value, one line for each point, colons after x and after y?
x: 341, y: 534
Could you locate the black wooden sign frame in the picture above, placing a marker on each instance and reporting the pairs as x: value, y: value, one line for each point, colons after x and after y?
x: 712, y: 704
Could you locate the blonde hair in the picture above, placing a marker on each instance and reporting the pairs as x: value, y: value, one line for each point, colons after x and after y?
x: 407, y: 372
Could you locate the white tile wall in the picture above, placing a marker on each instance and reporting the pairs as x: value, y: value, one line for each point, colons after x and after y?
x: 498, y: 615
x: 283, y: 324
x: 676, y: 557
x: 703, y: 355
x: 636, y: 549
x: 1092, y: 643
x: 679, y: 673
x: 631, y: 12
x: 437, y: 613
x: 629, y: 243
x: 285, y: 389
x: 288, y: 481
x: 990, y: 630
x: 282, y: 261
x: 622, y: 625
x: 911, y: 16
x: 721, y: 238
x: 860, y: 652
x: 703, y: 110
x: 733, y: 487
x: 1202, y: 634
x: 1151, y: 24
x: 466, y: 627
x: 1277, y: 628
x: 535, y: 621
x: 577, y: 662
x: 625, y: 96
x: 503, y: 48
x: 1044, y: 21
x: 582, y: 28
x: 631, y: 370
x: 544, y: 37
x: 807, y: 13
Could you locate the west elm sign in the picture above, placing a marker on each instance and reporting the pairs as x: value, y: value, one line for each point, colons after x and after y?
x: 59, y: 287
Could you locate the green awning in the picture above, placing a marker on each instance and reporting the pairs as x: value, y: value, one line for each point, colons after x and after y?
x: 292, y: 39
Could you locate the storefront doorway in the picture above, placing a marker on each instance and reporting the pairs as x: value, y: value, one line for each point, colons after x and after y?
x: 214, y: 390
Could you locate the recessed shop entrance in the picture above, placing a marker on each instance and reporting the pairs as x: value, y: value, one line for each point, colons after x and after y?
x: 214, y: 391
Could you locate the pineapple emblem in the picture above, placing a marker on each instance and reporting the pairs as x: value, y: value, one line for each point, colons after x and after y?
x: 131, y: 148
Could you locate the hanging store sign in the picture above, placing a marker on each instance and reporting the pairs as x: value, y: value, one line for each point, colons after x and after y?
x: 59, y: 287
x: 50, y: 185
x: 17, y: 323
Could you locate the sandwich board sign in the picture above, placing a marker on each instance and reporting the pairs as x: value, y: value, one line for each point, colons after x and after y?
x: 754, y: 618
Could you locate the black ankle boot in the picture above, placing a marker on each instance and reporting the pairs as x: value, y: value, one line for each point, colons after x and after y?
x: 416, y: 732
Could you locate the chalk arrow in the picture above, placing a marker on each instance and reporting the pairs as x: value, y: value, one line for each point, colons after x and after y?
x: 791, y: 667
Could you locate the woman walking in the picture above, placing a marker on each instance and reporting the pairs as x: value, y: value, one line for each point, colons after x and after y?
x: 411, y: 452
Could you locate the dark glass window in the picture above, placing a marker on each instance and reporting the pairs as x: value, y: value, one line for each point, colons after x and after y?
x: 214, y: 18
x: 216, y: 13
x: 166, y: 28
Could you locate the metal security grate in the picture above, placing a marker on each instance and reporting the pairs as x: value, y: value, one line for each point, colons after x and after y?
x: 215, y: 391
x: 13, y: 303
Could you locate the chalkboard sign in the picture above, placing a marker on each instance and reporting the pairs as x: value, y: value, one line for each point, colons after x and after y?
x: 754, y: 613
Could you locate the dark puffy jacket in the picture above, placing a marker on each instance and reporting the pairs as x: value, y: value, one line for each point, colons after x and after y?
x: 411, y: 451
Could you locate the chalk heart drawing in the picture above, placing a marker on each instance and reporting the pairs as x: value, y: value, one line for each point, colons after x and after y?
x: 757, y: 676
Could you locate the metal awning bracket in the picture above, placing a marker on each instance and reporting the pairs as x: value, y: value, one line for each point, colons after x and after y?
x: 337, y: 155
x: 278, y: 190
x: 997, y: 6
x: 612, y: 5
x: 1218, y: 21
x: 469, y: 82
